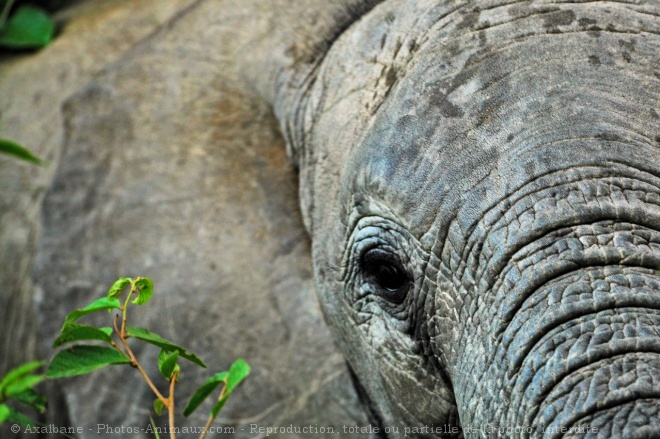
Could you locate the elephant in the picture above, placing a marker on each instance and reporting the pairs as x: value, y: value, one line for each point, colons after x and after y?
x: 480, y: 182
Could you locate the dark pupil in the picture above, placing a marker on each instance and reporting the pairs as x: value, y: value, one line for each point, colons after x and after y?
x: 381, y: 270
x: 389, y: 277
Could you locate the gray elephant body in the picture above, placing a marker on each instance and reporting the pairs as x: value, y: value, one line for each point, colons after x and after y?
x: 482, y: 187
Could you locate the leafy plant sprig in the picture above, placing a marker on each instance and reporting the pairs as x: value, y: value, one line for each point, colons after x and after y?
x: 82, y: 359
x: 17, y: 384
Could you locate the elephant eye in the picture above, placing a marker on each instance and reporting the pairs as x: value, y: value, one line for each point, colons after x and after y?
x: 384, y: 271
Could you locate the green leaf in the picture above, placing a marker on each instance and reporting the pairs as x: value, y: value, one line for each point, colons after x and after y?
x: 76, y: 332
x: 5, y: 411
x: 167, y: 363
x: 28, y: 28
x: 16, y: 150
x: 159, y: 406
x: 32, y: 399
x: 219, y: 405
x: 117, y: 288
x: 204, y: 391
x: 237, y: 373
x: 79, y: 360
x: 153, y: 426
x: 22, y: 384
x: 98, y: 305
x: 146, y: 287
x: 19, y: 372
x: 157, y: 340
x: 19, y: 418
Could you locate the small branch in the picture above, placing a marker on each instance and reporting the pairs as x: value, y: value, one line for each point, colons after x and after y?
x: 112, y: 342
x: 116, y: 346
x: 206, y: 427
x: 144, y: 374
x: 211, y: 417
x: 129, y: 351
x: 170, y: 407
x: 131, y: 355
x: 124, y: 309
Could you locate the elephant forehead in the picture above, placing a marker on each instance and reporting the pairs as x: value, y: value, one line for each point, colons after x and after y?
x: 497, y: 107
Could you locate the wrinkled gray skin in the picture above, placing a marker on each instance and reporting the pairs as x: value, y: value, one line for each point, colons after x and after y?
x: 503, y: 161
x: 501, y: 158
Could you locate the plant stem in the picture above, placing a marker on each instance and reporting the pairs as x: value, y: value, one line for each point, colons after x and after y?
x: 129, y: 351
x: 206, y: 427
x: 131, y: 355
x: 112, y: 342
x: 124, y: 308
x: 170, y: 407
x: 169, y: 401
x: 211, y: 417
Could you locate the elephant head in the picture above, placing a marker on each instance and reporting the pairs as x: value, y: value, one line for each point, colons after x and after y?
x: 481, y: 182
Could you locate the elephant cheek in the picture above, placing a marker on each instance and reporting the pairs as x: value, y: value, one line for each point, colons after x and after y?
x: 559, y: 331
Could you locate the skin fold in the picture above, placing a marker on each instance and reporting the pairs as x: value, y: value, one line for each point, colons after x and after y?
x: 481, y: 182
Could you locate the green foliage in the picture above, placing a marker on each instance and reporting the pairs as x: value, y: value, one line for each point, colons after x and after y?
x: 32, y: 399
x: 153, y: 424
x: 156, y: 340
x: 146, y: 288
x: 17, y: 385
x: 118, y: 287
x: 158, y: 407
x: 26, y: 27
x: 98, y: 305
x: 19, y: 372
x: 167, y: 363
x: 237, y: 373
x: 11, y: 415
x: 75, y: 332
x: 14, y: 149
x: 204, y: 391
x: 82, y: 359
